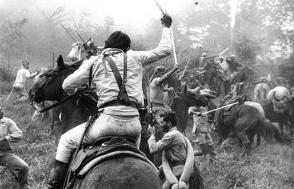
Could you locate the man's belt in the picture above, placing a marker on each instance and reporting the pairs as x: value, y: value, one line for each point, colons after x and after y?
x: 118, y: 103
x: 157, y: 104
x: 176, y: 163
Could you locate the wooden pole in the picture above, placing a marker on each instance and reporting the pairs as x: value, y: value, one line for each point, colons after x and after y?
x: 53, y: 60
x: 8, y: 60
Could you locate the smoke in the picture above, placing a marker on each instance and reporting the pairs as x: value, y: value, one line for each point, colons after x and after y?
x: 233, y: 13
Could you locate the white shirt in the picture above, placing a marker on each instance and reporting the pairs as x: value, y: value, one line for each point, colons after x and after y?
x: 21, y: 77
x: 103, y: 77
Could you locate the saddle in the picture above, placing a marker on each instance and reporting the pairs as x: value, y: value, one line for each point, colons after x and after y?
x: 103, y: 149
x: 229, y: 112
x: 229, y: 100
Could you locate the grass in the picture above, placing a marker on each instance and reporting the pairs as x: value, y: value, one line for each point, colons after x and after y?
x: 270, y: 166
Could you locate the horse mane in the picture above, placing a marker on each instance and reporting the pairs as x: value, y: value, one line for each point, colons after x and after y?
x: 53, y: 72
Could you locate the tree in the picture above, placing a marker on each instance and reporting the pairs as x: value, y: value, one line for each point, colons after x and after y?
x: 246, y: 49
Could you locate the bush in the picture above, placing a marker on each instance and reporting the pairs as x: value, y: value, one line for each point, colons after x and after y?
x: 5, y: 74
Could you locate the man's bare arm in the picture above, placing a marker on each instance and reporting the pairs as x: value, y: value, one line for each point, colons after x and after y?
x: 168, y: 74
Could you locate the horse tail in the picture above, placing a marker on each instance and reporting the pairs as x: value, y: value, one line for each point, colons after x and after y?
x: 269, y: 131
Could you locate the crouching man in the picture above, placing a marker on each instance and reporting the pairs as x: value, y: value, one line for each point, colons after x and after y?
x: 10, y: 133
x: 174, y: 145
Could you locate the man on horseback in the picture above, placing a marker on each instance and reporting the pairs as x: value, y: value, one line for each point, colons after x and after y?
x: 117, y: 75
x: 234, y: 65
x: 19, y: 84
x: 10, y: 133
x: 157, y: 89
x: 202, y: 60
x: 228, y: 70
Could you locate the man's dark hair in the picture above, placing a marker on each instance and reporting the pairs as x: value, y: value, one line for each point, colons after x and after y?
x: 118, y: 40
x: 170, y: 116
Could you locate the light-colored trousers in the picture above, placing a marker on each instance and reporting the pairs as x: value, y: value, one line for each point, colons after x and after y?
x: 104, y: 125
x: 16, y: 164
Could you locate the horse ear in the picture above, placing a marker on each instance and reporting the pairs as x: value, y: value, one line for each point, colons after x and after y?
x: 60, y: 62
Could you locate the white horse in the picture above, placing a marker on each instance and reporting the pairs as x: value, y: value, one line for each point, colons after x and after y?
x: 260, y: 92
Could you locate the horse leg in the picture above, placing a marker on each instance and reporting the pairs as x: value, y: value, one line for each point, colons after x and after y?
x: 258, y: 139
x: 245, y: 142
x: 250, y: 136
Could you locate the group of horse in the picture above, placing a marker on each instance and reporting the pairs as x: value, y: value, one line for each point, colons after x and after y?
x: 242, y: 121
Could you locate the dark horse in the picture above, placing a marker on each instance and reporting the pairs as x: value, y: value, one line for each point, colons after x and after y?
x: 244, y: 81
x: 181, y: 104
x: 49, y: 87
x: 113, y: 172
x: 244, y: 122
x: 283, y: 119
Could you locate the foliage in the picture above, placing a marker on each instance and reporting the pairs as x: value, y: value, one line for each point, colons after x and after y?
x: 269, y: 166
x: 5, y: 75
x: 246, y: 49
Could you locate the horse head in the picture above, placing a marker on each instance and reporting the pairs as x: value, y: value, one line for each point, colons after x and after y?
x: 48, y: 86
x: 191, y: 99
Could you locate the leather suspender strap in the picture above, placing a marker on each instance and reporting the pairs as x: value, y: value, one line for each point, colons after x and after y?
x: 125, y: 70
x: 90, y: 77
x: 121, y: 82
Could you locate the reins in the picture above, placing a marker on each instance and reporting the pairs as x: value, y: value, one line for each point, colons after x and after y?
x: 58, y: 103
x: 71, y: 96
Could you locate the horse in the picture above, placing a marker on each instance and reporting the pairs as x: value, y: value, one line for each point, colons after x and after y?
x: 260, y: 91
x: 49, y: 87
x: 244, y: 122
x: 113, y: 163
x: 244, y: 80
x: 284, y: 118
x: 181, y: 104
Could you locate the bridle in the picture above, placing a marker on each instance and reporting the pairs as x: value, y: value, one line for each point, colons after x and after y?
x: 50, y: 77
x: 81, y: 92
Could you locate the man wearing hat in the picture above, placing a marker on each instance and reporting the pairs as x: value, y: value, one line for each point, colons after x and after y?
x: 157, y: 89
x: 19, y: 84
x: 234, y: 65
x: 202, y: 59
x: 202, y: 129
x: 10, y: 133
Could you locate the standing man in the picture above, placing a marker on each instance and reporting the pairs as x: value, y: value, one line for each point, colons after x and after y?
x: 117, y: 74
x: 19, y: 84
x: 157, y: 89
x: 10, y: 133
x: 202, y: 60
x: 234, y: 65
x: 202, y: 130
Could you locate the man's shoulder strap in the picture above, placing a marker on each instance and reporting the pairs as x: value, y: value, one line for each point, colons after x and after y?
x: 121, y: 82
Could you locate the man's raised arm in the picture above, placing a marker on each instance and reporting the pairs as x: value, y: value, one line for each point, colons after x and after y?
x: 164, y: 47
x: 168, y: 74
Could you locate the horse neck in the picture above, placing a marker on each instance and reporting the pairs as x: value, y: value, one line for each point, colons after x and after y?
x: 72, y: 115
